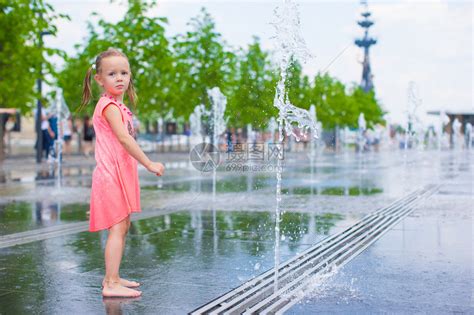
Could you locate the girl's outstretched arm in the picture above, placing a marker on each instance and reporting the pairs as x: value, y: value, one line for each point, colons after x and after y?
x: 114, y: 117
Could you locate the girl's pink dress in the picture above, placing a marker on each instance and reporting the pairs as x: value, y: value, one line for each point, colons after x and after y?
x: 115, y: 188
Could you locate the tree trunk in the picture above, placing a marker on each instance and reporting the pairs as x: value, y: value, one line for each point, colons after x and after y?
x: 2, y: 135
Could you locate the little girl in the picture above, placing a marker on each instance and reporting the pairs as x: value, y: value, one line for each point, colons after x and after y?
x: 115, y: 189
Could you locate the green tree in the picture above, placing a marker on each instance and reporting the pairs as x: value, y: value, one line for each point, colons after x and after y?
x: 321, y: 92
x: 142, y: 39
x: 254, y: 89
x: 22, y: 53
x: 298, y: 86
x: 204, y: 61
x: 338, y: 106
x: 366, y: 102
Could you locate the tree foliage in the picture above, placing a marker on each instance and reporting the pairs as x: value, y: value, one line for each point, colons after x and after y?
x: 253, y: 89
x: 22, y: 54
x: 142, y: 39
x: 172, y: 75
x: 203, y: 61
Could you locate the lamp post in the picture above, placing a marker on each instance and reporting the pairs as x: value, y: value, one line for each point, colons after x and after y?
x: 39, y: 133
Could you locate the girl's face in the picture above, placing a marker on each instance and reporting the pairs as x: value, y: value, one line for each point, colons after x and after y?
x: 114, y: 75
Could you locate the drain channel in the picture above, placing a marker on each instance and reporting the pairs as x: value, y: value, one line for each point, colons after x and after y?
x: 258, y: 296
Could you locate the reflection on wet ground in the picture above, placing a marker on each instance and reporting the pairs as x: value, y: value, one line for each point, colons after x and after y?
x: 332, y: 191
x: 23, y: 216
x: 247, y: 184
x: 173, y: 253
x: 329, y: 175
x: 193, y: 254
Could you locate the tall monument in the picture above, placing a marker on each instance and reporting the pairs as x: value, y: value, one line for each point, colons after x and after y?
x: 365, y: 43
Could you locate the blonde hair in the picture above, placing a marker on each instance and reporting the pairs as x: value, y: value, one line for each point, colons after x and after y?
x: 87, y: 89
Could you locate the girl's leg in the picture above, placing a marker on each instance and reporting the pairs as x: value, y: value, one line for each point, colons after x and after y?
x: 127, y: 283
x: 127, y: 221
x: 113, y: 257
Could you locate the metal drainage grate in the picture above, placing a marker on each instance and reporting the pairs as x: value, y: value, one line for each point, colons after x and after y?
x: 260, y: 295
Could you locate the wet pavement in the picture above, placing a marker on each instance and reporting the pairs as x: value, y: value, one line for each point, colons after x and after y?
x: 196, y: 247
x: 24, y: 216
x: 171, y: 255
x: 423, y: 265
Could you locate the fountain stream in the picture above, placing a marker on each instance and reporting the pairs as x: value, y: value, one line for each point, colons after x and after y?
x: 290, y: 45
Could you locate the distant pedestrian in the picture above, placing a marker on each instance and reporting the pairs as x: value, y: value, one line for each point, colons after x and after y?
x: 67, y: 129
x: 88, y: 136
x: 230, y: 146
x: 47, y: 134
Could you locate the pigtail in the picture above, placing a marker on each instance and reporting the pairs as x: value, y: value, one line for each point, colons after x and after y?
x: 87, y: 89
x: 132, y: 95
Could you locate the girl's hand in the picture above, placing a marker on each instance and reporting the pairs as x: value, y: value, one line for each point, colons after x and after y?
x: 156, y: 167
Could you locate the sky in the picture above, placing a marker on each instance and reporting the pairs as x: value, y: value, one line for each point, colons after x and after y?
x: 428, y: 42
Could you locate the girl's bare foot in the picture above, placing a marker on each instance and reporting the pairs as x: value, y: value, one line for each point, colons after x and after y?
x: 129, y: 284
x: 115, y: 289
x: 126, y: 283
